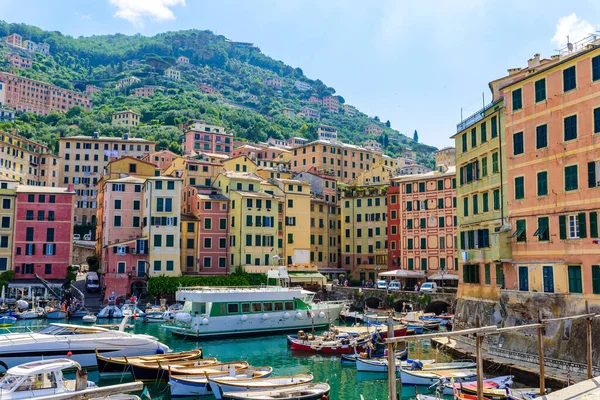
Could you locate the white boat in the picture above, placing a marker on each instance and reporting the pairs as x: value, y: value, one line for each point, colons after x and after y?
x: 311, y: 391
x: 37, y: 379
x: 232, y: 384
x: 129, y: 310
x: 58, y: 340
x: 89, y: 319
x: 110, y: 311
x: 197, y: 385
x: 500, y: 382
x: 381, y: 364
x: 219, y: 312
x: 55, y: 313
x: 159, y: 316
x: 428, y: 378
x: 31, y: 314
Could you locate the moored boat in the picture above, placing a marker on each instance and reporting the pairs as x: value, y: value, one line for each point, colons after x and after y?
x: 120, y: 365
x: 311, y: 391
x: 428, y: 378
x: 197, y: 385
x: 222, y: 385
x: 159, y: 316
x: 55, y: 313
x: 342, y: 346
x: 152, y: 371
x: 492, y: 387
x: 110, y: 311
x: 131, y: 309
x: 6, y: 321
x: 31, y: 314
x: 89, y: 319
x: 381, y: 364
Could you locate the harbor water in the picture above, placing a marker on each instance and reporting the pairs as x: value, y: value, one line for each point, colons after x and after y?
x: 346, y: 383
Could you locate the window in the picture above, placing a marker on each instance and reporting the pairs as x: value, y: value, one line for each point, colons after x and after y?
x: 5, y: 222
x: 499, y: 275
x: 29, y: 234
x: 411, y: 264
x: 441, y: 222
x: 160, y: 204
x: 207, y: 223
x: 117, y: 220
x: 290, y: 203
x: 170, y: 240
x: 483, y: 132
x: 571, y: 181
x: 517, y: 100
x: 4, y: 242
x: 548, y: 276
x: 596, y: 68
x: 136, y: 204
x: 495, y: 163
x: 572, y: 226
x: 3, y: 264
x: 121, y: 267
x: 409, y: 244
x: 464, y: 143
x: 475, y: 205
x: 158, y: 185
x: 50, y: 235
x: 569, y: 79
x: 575, y: 285
x: 542, y: 183
x: 440, y: 185
x: 170, y: 265
x: 470, y: 273
x: 473, y: 137
x: 170, y: 185
x: 423, y: 244
x: 52, y: 198
x: 466, y: 207
x: 30, y: 198
x: 6, y: 204
x: 157, y: 240
x: 519, y: 187
x: 524, y: 279
x: 521, y: 231
x: 117, y: 204
x: 593, y: 224
x: 487, y: 274
x: 494, y: 123
x: 207, y: 243
x: 423, y: 264
x: 485, y: 201
x: 540, y: 90
x: 518, y: 143
x: 543, y: 230
x: 570, y: 127
x: 541, y: 137
x: 484, y: 167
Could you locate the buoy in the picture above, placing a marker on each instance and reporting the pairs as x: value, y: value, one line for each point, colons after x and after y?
x: 205, y: 321
x: 321, y: 314
x: 265, y: 316
x: 159, y: 350
x: 244, y: 318
x: 69, y: 354
x: 286, y: 315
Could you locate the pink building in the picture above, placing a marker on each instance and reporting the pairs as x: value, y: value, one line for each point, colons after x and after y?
x: 310, y: 113
x: 162, y: 159
x: 331, y: 103
x: 314, y: 100
x: 206, y: 88
x: 275, y: 83
x: 91, y: 89
x: 15, y: 39
x: 202, y: 137
x: 181, y: 60
x: 20, y: 62
x: 43, y: 232
x: 147, y: 90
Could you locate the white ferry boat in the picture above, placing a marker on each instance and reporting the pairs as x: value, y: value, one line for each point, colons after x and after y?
x: 219, y: 312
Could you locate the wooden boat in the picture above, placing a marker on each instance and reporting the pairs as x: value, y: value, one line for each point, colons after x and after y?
x: 377, y: 330
x: 501, y: 382
x: 151, y: 371
x: 197, y: 385
x: 429, y: 378
x: 343, y: 346
x: 209, y: 369
x: 381, y: 364
x: 31, y: 314
x: 231, y: 384
x: 120, y: 365
x: 465, y: 396
x: 56, y: 314
x: 312, y: 391
x: 6, y: 321
x: 422, y: 366
x: 89, y: 319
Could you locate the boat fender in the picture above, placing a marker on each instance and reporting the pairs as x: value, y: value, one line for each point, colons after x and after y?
x: 286, y: 315
x: 204, y: 321
x: 159, y: 350
x: 321, y: 314
x: 265, y: 316
x: 244, y: 318
x: 299, y: 315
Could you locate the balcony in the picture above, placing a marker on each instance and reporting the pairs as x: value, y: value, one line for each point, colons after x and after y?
x: 499, y: 250
x: 476, y: 117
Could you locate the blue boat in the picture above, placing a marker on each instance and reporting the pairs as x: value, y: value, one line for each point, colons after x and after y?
x: 6, y: 321
x: 56, y: 314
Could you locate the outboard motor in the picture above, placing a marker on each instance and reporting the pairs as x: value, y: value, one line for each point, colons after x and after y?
x: 416, y: 365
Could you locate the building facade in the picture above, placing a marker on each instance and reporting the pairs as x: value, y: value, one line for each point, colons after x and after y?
x: 203, y: 137
x: 16, y: 60
x: 26, y: 161
x: 373, y: 129
x: 172, y: 73
x: 332, y: 103
x: 8, y: 198
x: 127, y: 118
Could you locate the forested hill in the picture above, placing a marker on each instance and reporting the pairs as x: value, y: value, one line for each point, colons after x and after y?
x: 245, y: 105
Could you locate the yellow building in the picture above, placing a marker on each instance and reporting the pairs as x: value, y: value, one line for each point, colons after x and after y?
x: 253, y: 218
x: 161, y: 221
x: 26, y: 161
x: 378, y: 174
x: 172, y: 73
x: 295, y: 221
x: 364, y: 231
x: 240, y: 163
x: 194, y: 172
x: 8, y: 194
x: 483, y: 235
x: 127, y: 117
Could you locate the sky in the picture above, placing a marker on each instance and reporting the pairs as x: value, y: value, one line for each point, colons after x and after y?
x: 415, y: 63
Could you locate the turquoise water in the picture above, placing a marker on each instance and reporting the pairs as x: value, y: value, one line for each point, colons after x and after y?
x: 346, y: 383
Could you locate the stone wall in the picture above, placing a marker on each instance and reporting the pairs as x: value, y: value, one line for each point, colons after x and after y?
x: 565, y: 340
x: 81, y: 253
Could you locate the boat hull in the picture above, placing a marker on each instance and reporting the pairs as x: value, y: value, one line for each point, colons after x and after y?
x: 220, y: 387
x: 303, y: 392
x: 349, y: 348
x: 56, y: 314
x: 426, y: 378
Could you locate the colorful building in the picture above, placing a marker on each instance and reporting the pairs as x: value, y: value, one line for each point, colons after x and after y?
x: 127, y: 117
x: 162, y: 159
x: 326, y: 132
x: 181, y: 60
x: 203, y: 137
x: 373, y: 130
x: 17, y: 61
x: 172, y: 73
x: 147, y: 90
x: 43, y: 241
x: 288, y: 112
x: 8, y: 197
x: 127, y: 81
x: 15, y: 39
x: 310, y: 113
x: 332, y: 103
x: 553, y: 172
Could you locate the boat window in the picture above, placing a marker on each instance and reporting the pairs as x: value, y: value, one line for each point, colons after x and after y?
x: 9, y: 382
x: 53, y: 330
x: 256, y: 307
x: 289, y: 305
x: 40, y: 381
x: 233, y: 308
x: 278, y: 306
x: 245, y: 307
x: 267, y: 307
x: 223, y: 308
x: 309, y: 298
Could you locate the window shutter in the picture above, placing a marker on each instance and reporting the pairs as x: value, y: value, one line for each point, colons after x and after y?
x: 115, y: 250
x: 593, y: 224
x: 462, y: 174
x: 462, y: 240
x: 562, y: 221
x: 582, y: 227
x: 592, y: 174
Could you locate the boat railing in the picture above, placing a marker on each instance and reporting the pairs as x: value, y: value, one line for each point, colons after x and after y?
x: 236, y: 289
x: 21, y: 329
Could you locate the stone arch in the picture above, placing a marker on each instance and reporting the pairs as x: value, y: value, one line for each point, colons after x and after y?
x: 138, y: 288
x: 437, y: 307
x: 402, y: 305
x: 373, y: 302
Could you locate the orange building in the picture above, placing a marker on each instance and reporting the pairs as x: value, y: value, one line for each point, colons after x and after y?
x: 553, y: 162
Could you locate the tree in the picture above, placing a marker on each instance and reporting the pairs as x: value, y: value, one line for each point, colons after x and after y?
x: 416, y: 136
x: 388, y: 124
x: 376, y: 118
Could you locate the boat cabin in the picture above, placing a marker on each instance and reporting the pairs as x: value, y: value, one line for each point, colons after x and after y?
x: 69, y: 330
x: 35, y: 379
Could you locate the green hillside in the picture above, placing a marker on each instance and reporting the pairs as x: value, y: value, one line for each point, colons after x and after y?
x: 246, y: 106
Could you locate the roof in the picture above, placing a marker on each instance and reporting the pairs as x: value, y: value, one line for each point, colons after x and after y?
x: 260, y: 195
x: 106, y: 138
x: 292, y: 181
x: 38, y: 367
x: 242, y: 175
x: 164, y: 178
x: 43, y: 189
x: 131, y: 158
x: 127, y: 179
x: 428, y: 175
x: 445, y: 148
x: 126, y: 111
x: 217, y: 196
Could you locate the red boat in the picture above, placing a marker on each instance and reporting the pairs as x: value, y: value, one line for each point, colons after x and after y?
x: 341, y: 346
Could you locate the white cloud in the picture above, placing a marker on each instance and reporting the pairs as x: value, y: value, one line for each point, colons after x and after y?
x: 135, y: 11
x: 572, y: 26
x: 83, y: 16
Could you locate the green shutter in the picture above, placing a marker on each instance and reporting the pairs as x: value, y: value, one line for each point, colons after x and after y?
x: 465, y: 274
x: 593, y: 224
x: 592, y: 174
x: 596, y: 279
x: 562, y: 221
x: 487, y: 274
x: 582, y: 227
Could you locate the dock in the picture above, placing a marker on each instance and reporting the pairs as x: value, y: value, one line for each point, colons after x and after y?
x: 589, y: 389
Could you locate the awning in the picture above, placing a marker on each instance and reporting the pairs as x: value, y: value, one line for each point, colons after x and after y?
x: 445, y: 277
x: 307, y: 277
x: 402, y: 273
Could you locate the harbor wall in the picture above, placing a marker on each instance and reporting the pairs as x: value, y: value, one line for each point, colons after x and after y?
x: 564, y: 340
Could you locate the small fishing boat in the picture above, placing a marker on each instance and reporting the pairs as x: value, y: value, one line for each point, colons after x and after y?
x: 6, y: 321
x: 152, y: 371
x: 110, y: 311
x: 428, y: 366
x: 197, y: 385
x: 31, y: 314
x: 351, y: 316
x: 465, y: 396
x: 129, y: 310
x: 351, y: 358
x: 381, y: 364
x: 311, y: 391
x: 77, y: 314
x: 342, y: 346
x: 38, y: 379
x: 501, y: 382
x: 429, y: 378
x: 55, y: 313
x: 159, y: 316
x: 120, y: 365
x: 211, y: 369
x: 89, y: 318
x: 220, y: 385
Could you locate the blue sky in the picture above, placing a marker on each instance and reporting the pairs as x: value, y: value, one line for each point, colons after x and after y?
x: 416, y: 63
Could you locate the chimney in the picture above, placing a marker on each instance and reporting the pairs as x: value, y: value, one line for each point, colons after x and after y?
x: 70, y: 188
x: 512, y: 71
x: 533, y: 62
x: 95, y: 135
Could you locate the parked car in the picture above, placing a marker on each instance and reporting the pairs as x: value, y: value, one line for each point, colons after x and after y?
x: 381, y: 285
x: 428, y: 287
x: 395, y: 285
x: 92, y: 282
